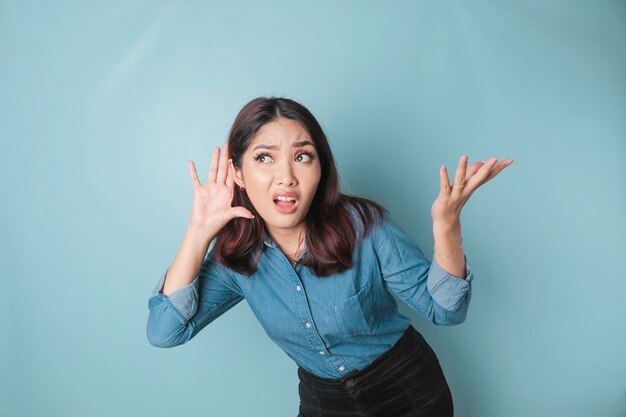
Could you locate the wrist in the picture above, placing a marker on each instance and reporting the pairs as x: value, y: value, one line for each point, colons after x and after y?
x: 446, y: 225
x: 200, y: 235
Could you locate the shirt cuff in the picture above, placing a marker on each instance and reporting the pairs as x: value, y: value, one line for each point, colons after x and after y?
x: 446, y: 289
x: 184, y: 299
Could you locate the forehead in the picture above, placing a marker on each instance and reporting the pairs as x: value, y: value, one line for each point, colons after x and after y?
x: 281, y: 130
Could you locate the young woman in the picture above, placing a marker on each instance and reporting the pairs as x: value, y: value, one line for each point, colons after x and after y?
x: 316, y: 266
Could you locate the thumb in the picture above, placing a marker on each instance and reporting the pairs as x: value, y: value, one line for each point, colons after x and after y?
x: 241, y: 212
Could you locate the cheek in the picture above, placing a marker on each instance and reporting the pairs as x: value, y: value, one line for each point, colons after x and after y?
x: 311, y: 190
x: 315, y: 181
x: 259, y: 191
x: 257, y: 179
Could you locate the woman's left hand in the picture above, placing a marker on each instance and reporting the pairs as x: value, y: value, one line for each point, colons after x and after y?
x: 447, y: 207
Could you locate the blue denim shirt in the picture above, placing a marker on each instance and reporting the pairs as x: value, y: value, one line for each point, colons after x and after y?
x: 327, y: 325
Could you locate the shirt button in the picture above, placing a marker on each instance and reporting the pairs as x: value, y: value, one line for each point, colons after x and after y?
x: 308, y: 325
x: 342, y: 368
x: 298, y: 288
x: 322, y: 352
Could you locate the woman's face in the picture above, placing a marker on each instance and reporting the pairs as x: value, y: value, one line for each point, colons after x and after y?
x: 281, y: 159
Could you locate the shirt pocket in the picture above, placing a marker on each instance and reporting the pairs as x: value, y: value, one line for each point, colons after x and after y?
x: 354, y: 315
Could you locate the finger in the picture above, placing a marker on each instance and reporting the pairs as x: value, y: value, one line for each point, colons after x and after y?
x: 213, y: 167
x: 230, y: 180
x: 459, y: 177
x: 241, y: 211
x: 479, y: 178
x: 223, y: 168
x: 497, y: 169
x: 472, y: 169
x: 193, y: 174
x: 444, y: 180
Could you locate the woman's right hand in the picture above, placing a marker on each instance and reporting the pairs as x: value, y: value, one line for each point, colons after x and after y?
x: 212, y: 201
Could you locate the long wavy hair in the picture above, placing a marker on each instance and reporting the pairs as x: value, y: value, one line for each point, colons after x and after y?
x: 331, y: 233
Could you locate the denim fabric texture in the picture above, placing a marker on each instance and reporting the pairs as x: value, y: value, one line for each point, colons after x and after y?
x: 329, y: 326
x: 405, y: 381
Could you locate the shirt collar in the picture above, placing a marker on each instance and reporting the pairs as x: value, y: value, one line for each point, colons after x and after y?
x: 268, y: 240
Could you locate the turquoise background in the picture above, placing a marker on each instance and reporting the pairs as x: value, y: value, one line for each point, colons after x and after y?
x: 103, y: 103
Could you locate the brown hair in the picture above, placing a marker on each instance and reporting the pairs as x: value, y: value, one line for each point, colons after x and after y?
x: 331, y: 234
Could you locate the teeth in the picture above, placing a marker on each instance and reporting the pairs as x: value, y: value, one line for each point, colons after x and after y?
x: 281, y: 198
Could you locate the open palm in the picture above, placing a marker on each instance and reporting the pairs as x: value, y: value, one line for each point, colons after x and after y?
x: 211, y: 209
x: 452, y: 197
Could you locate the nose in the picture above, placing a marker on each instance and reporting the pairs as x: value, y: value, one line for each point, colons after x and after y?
x: 284, y: 175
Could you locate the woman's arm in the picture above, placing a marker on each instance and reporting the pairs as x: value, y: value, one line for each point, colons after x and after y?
x: 176, y: 318
x: 188, y: 259
x: 446, y: 210
x: 447, y: 241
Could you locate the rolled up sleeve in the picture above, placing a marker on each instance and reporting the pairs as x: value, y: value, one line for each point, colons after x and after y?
x: 184, y: 299
x: 176, y: 318
x: 448, y: 290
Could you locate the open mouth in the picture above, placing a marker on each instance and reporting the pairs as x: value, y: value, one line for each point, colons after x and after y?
x: 285, y: 206
x: 283, y: 203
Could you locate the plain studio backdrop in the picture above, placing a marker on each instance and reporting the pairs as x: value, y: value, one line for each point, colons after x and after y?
x: 102, y: 104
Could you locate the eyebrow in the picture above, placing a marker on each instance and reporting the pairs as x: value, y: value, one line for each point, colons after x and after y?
x: 295, y: 145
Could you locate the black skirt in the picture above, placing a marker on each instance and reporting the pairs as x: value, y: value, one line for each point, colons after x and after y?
x: 407, y: 380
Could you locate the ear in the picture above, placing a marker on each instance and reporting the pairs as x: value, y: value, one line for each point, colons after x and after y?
x: 238, y: 177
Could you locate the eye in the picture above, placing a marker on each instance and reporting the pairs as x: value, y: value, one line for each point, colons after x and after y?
x: 261, y: 155
x: 308, y: 154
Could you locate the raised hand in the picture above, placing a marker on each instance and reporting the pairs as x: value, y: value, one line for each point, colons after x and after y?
x: 212, y: 201
x: 452, y: 197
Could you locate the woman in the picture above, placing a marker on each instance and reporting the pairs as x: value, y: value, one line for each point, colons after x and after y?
x: 315, y: 266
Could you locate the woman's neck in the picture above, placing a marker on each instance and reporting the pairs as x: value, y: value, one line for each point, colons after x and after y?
x: 290, y: 242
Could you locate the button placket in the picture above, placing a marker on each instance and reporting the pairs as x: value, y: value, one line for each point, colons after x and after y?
x: 308, y: 324
x: 305, y: 311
